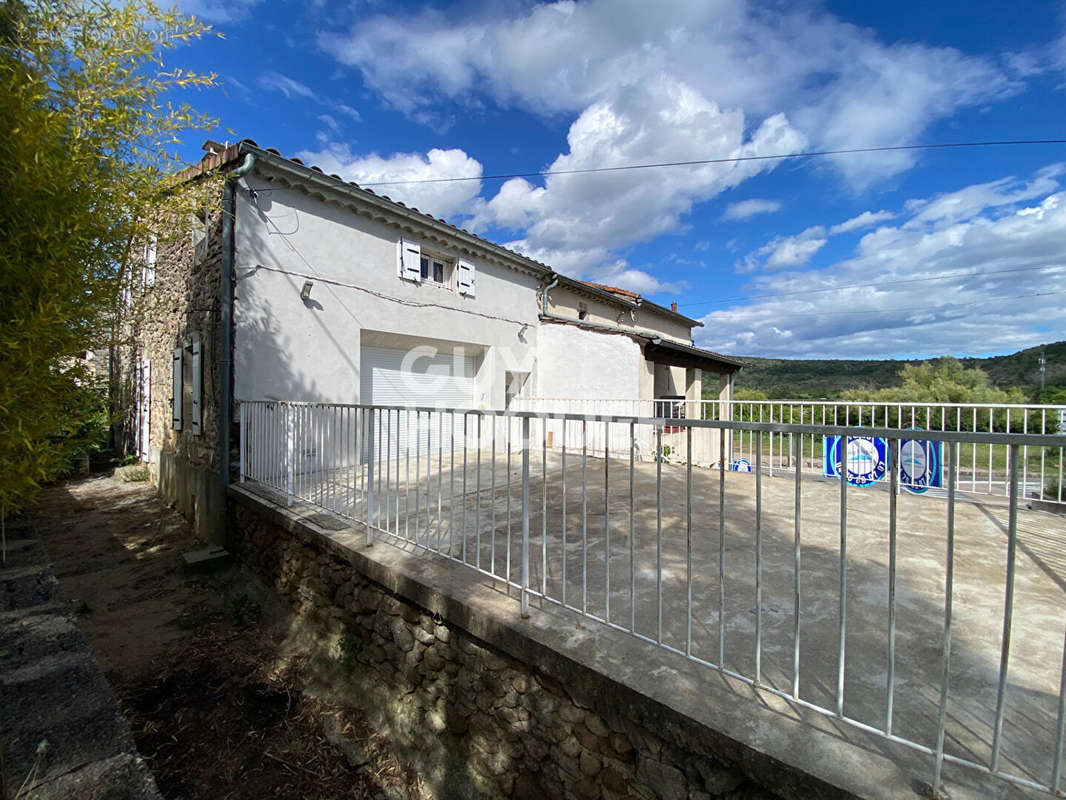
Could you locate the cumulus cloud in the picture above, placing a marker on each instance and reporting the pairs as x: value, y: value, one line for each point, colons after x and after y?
x: 839, y: 84
x: 746, y: 209
x: 576, y: 220
x: 1007, y: 253
x: 438, y: 199
x: 784, y: 252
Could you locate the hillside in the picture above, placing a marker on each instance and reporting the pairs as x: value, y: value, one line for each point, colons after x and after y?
x: 815, y: 378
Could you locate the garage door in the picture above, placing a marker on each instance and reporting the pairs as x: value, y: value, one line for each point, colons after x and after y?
x: 400, y: 378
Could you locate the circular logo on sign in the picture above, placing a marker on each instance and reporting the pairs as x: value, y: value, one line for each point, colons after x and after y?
x: 918, y: 464
x: 741, y: 465
x: 867, y: 459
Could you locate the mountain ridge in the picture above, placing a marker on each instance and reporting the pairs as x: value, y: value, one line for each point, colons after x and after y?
x: 817, y: 378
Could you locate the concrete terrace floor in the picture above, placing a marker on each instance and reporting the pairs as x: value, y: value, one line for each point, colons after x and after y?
x: 488, y: 523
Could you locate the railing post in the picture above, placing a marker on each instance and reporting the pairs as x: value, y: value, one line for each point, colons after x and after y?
x: 525, y: 517
x: 244, y: 439
x: 290, y: 450
x: 370, y: 445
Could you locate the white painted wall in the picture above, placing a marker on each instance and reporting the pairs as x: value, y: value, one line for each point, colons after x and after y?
x: 579, y: 363
x: 286, y: 349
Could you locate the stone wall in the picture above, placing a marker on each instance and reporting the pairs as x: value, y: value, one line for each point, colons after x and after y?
x: 474, y: 720
x: 183, y: 301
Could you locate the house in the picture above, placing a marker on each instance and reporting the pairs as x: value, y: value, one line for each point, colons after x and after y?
x: 306, y: 288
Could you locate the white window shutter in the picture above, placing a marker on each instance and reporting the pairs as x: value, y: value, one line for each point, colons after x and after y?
x: 465, y: 278
x: 175, y: 400
x: 410, y: 260
x: 148, y: 275
x: 197, y: 385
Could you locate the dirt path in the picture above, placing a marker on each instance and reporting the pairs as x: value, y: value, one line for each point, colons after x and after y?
x: 215, y: 706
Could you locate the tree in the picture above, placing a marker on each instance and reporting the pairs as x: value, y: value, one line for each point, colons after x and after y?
x: 87, y: 131
x: 943, y: 380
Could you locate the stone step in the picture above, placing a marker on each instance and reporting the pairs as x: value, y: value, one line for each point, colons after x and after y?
x: 26, y: 586
x: 27, y: 635
x: 62, y: 699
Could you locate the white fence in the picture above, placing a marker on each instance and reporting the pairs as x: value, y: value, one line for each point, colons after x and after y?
x: 561, y: 508
x: 981, y: 469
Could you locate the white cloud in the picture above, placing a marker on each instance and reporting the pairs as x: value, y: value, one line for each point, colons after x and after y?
x: 438, y: 199
x: 576, y: 220
x: 293, y: 89
x: 746, y: 209
x: 839, y: 83
x: 866, y: 219
x: 218, y: 13
x: 276, y: 82
x: 877, y: 303
x: 784, y: 252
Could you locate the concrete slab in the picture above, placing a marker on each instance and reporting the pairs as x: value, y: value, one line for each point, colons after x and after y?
x: 584, y: 555
x: 207, y: 559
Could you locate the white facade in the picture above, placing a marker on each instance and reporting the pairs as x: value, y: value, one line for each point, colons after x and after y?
x: 330, y: 281
x: 311, y: 348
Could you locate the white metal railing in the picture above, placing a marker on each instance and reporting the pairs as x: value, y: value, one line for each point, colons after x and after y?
x: 981, y: 469
x: 593, y: 514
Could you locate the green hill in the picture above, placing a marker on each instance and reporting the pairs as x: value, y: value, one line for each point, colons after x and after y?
x: 816, y: 378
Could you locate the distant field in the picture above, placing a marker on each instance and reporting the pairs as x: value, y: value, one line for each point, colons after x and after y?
x: 812, y: 379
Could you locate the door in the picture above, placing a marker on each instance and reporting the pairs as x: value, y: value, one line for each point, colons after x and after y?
x: 144, y: 409
x: 412, y: 378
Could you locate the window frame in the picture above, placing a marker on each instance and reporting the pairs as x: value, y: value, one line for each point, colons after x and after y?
x: 427, y: 260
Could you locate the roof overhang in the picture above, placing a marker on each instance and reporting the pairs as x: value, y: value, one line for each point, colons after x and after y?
x: 592, y: 290
x: 663, y: 351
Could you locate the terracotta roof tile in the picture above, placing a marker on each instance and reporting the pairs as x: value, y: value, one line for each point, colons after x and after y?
x: 612, y: 289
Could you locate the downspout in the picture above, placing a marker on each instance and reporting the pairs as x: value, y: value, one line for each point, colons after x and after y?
x: 225, y: 364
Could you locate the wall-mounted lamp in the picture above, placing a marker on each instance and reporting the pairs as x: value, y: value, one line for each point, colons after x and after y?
x: 305, y: 293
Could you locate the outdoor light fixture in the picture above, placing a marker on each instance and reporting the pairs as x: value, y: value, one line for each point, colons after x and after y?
x: 305, y: 293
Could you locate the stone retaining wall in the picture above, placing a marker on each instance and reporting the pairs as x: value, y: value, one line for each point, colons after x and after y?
x: 477, y: 722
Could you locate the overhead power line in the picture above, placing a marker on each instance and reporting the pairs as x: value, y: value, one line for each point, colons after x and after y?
x: 730, y: 160
x: 943, y: 277
x: 907, y: 310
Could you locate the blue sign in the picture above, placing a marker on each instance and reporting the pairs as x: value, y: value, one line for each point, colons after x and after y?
x: 867, y: 459
x: 919, y: 464
x: 741, y: 465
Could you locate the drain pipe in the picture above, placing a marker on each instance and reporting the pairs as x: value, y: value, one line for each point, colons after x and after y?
x: 225, y: 362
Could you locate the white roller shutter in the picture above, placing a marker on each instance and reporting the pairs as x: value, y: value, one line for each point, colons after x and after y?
x: 442, y: 381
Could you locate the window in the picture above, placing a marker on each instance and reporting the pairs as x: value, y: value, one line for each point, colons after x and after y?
x: 417, y: 267
x: 437, y: 270
x: 582, y: 310
x: 186, y: 386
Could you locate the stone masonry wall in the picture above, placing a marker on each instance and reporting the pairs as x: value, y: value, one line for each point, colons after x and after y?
x: 474, y: 721
x: 183, y: 300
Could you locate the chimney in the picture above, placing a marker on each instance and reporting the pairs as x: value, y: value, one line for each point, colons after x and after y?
x: 673, y: 306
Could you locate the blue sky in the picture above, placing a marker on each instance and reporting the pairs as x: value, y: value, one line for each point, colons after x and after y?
x: 861, y: 256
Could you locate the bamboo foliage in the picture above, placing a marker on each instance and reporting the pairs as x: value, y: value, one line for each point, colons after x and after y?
x: 90, y: 117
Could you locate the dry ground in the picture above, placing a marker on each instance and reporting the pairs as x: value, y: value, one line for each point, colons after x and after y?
x: 212, y: 696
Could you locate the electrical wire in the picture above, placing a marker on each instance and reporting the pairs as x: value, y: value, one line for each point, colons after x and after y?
x: 729, y: 160
x: 944, y: 277
x: 869, y: 311
x: 401, y: 301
